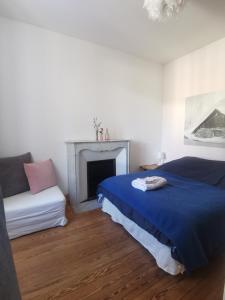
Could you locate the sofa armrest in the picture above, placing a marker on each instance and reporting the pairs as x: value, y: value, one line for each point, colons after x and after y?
x: 8, y: 282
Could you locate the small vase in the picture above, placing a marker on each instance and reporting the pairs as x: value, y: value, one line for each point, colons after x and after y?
x: 107, y: 137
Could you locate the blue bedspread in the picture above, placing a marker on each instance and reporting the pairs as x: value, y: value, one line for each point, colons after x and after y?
x: 190, y: 213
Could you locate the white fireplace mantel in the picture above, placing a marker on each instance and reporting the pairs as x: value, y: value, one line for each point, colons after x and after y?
x: 79, y: 153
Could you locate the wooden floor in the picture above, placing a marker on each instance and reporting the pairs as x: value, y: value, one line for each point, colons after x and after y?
x: 94, y: 258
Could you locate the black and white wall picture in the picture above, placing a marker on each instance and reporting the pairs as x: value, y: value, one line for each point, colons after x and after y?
x: 205, y: 120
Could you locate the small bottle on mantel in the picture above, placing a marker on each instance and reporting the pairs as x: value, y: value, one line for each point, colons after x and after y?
x: 107, y: 137
x: 101, y: 131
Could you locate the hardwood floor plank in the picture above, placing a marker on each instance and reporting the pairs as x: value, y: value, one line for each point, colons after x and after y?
x: 93, y: 258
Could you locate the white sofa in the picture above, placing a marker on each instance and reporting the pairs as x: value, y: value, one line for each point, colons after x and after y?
x: 27, y: 213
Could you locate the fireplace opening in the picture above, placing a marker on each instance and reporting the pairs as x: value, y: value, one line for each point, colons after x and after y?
x: 97, y: 171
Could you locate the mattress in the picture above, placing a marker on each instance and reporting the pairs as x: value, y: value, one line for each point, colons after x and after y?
x: 26, y: 213
x: 159, y: 251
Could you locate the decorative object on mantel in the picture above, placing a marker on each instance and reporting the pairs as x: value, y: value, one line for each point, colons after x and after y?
x: 159, y: 10
x: 107, y: 136
x: 96, y: 127
x: 101, y: 131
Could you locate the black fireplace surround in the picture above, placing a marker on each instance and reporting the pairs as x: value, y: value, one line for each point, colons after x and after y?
x: 97, y: 171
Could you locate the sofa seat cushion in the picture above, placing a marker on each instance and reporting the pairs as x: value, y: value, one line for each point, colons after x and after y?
x: 26, y: 213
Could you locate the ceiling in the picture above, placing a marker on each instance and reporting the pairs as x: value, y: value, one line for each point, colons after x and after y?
x: 124, y: 24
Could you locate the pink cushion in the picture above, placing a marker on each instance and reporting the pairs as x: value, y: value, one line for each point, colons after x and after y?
x: 40, y: 175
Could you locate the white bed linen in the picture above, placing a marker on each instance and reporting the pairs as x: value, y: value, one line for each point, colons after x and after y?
x: 160, y: 252
x: 26, y: 213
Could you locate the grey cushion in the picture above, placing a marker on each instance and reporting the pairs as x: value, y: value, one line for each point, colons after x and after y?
x: 9, y: 289
x: 13, y: 179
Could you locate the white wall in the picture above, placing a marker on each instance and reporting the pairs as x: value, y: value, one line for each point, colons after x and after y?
x: 200, y: 72
x: 51, y: 87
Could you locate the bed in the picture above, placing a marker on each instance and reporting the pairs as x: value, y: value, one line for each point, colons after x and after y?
x: 182, y: 224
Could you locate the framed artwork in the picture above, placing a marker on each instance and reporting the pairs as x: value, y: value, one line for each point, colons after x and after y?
x: 205, y: 120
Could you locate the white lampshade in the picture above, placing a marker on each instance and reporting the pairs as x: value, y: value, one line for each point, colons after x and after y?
x: 162, y: 157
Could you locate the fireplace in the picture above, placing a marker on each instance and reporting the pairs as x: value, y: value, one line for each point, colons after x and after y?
x: 97, y: 171
x: 90, y: 162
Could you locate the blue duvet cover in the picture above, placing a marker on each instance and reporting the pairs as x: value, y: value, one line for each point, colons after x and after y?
x: 191, y: 214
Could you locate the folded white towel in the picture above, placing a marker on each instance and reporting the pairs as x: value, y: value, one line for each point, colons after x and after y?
x: 149, y: 183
